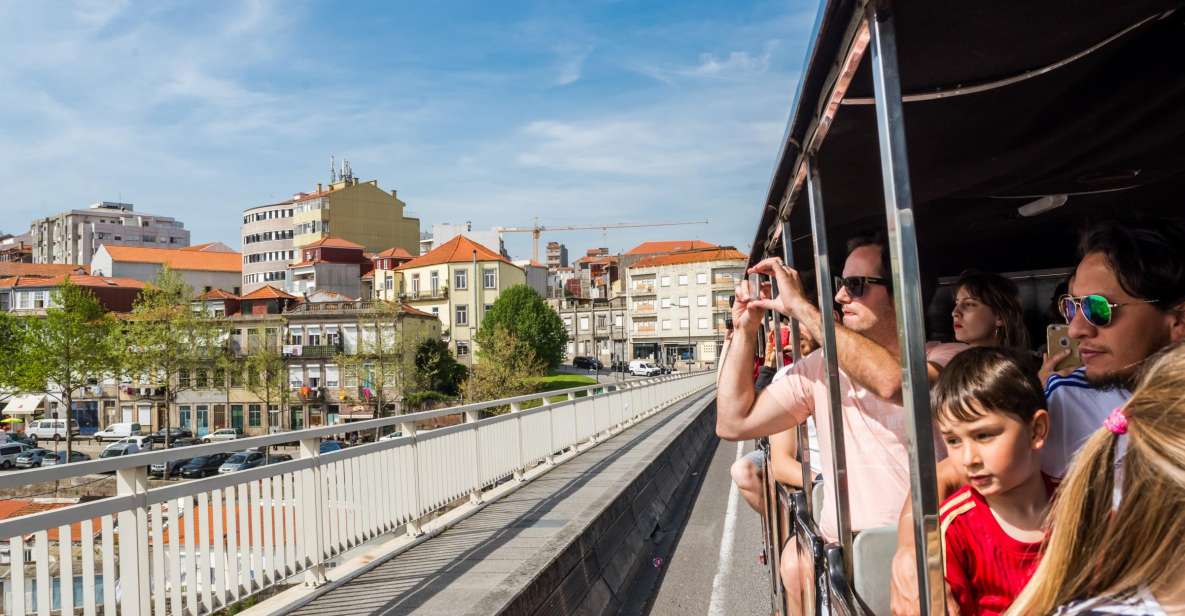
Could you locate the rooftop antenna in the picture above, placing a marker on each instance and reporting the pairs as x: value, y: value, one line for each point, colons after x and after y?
x: 332, y: 170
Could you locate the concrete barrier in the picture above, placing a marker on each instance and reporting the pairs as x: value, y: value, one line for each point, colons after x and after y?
x: 590, y: 574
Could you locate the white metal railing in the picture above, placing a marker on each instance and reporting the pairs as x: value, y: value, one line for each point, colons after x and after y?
x: 195, y: 547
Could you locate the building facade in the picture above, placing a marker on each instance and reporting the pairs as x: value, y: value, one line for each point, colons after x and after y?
x: 596, y: 328
x: 360, y: 212
x: 267, y: 244
x: 204, y: 267
x: 73, y: 236
x: 458, y: 282
x: 443, y: 232
x: 557, y: 256
x: 328, y: 264
x: 678, y: 302
x: 34, y: 294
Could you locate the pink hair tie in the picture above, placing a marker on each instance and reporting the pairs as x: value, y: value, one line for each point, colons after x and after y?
x: 1116, y: 422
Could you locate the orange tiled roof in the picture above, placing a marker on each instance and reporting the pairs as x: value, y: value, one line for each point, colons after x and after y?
x: 332, y: 242
x: 726, y: 253
x: 179, y: 258
x: 82, y: 280
x: 654, y: 248
x: 394, y: 253
x: 416, y: 312
x: 267, y: 292
x: 40, y: 269
x: 457, y: 250
x: 217, y: 294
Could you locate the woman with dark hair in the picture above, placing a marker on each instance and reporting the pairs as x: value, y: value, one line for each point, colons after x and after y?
x: 987, y: 312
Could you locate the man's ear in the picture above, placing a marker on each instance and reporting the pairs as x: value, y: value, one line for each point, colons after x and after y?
x: 1039, y: 425
x: 1177, y: 323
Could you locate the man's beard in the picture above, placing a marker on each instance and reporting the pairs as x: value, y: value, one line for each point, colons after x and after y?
x: 1113, y: 380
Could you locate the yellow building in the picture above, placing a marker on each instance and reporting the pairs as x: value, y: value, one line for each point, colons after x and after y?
x: 458, y: 282
x: 358, y: 211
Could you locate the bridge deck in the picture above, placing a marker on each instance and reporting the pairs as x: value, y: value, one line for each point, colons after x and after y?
x: 479, y: 565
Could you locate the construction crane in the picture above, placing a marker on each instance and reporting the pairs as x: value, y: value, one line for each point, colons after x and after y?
x: 536, y: 230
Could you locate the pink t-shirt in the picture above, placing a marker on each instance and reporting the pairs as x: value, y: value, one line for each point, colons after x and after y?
x: 875, y: 437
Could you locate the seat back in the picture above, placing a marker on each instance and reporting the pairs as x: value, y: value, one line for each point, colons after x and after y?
x: 872, y: 558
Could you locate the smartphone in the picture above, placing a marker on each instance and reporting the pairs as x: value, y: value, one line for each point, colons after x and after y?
x: 1057, y: 340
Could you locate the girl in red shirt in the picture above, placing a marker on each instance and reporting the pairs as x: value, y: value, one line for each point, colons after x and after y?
x: 990, y: 409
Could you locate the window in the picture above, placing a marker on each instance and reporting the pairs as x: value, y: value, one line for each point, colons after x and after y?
x: 584, y: 323
x: 683, y: 324
x: 702, y: 323
x: 666, y: 302
x: 617, y: 320
x: 702, y: 300
x: 666, y: 323
x: 701, y: 278
x: 415, y: 284
x: 331, y: 376
x: 683, y: 279
x: 296, y: 336
x: 602, y: 321
x: 314, y: 336
x: 388, y: 282
x: 202, y: 378
x: 490, y: 277
x: 183, y: 377
x: 684, y: 301
x: 236, y: 378
x: 436, y: 311
x: 434, y: 282
x: 461, y: 279
x: 183, y: 416
x: 665, y: 281
x: 462, y: 348
x: 568, y: 321
x: 462, y: 317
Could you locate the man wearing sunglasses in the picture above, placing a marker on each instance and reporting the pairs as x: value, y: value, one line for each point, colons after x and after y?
x: 1125, y: 303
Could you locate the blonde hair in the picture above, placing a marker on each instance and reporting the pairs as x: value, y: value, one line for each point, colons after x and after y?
x: 1097, y: 549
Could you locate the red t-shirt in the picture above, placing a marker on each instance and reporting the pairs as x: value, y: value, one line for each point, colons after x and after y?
x: 985, y: 567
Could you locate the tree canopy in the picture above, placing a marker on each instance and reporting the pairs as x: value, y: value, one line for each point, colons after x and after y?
x: 527, y: 317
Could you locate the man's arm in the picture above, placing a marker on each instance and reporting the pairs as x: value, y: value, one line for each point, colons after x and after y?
x: 740, y: 413
x: 904, y: 570
x: 783, y: 447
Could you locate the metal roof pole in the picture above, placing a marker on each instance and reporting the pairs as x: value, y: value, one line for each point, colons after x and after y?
x: 801, y: 435
x: 839, y: 461
x: 911, y: 333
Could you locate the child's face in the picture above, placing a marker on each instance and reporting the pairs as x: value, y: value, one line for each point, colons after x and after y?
x: 997, y: 451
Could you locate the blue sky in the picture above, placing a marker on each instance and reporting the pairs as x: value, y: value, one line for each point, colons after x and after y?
x: 493, y: 112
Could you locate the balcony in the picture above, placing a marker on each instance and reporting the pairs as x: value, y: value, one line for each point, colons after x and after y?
x: 422, y: 296
x: 358, y: 305
x: 312, y: 351
x: 643, y: 288
x: 723, y: 282
x: 644, y: 308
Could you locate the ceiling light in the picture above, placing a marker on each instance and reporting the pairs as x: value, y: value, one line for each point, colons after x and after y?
x: 1042, y: 205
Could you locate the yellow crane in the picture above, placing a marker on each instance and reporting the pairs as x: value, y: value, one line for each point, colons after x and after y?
x: 537, y: 229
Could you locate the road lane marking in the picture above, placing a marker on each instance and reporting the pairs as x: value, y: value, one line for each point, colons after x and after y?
x: 727, y: 539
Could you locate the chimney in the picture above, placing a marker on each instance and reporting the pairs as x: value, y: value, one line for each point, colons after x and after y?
x: 394, y: 193
x: 318, y: 186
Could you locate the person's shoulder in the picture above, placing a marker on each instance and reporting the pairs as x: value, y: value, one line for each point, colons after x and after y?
x: 952, y: 514
x: 941, y: 352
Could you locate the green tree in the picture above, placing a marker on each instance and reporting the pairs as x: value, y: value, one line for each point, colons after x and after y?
x: 528, y: 318
x: 383, y: 361
x: 165, y: 337
x: 12, y: 349
x: 437, y: 370
x: 266, y: 374
x: 506, y: 368
x: 72, y: 345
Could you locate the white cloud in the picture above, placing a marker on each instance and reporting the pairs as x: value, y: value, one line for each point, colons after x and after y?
x: 736, y: 61
x: 571, y: 68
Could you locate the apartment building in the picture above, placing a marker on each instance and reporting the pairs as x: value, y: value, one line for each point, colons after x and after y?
x: 33, y: 294
x: 267, y: 244
x: 328, y: 264
x: 73, y: 236
x: 596, y: 327
x: 16, y: 249
x: 203, y: 267
x: 677, y: 304
x: 359, y: 212
x: 382, y: 282
x: 457, y: 282
x: 557, y: 256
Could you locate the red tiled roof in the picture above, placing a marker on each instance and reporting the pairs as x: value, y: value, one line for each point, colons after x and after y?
x: 179, y: 258
x: 267, y: 292
x: 332, y: 242
x: 654, y: 248
x: 416, y: 312
x: 82, y: 280
x: 217, y: 294
x: 457, y: 250
x: 726, y: 253
x: 40, y: 269
x: 394, y: 253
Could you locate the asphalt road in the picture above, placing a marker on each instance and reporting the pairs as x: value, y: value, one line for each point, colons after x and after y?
x: 700, y: 577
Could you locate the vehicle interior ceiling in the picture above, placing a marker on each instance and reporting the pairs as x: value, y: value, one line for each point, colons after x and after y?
x: 1104, y: 129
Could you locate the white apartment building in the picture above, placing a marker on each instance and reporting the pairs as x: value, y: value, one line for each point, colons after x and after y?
x: 677, y: 303
x: 73, y: 236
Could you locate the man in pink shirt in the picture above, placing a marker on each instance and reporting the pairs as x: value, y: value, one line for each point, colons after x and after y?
x: 875, y: 432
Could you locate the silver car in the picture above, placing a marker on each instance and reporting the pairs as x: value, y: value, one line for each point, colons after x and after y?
x: 242, y: 460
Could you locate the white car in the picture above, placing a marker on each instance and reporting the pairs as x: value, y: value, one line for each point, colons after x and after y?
x: 9, y: 452
x: 117, y: 431
x: 642, y: 367
x: 223, y: 434
x: 129, y: 445
x: 50, y: 429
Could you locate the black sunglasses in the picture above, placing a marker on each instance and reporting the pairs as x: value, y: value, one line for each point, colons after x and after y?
x: 856, y: 285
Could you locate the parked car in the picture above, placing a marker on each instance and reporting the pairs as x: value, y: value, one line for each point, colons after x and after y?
x: 9, y: 453
x: 223, y: 434
x: 141, y: 443
x: 392, y: 436
x: 60, y: 458
x: 31, y: 458
x: 122, y: 448
x: 174, y: 434
x: 588, y: 363
x: 117, y: 431
x: 642, y: 367
x: 17, y: 437
x: 328, y: 446
x: 241, y: 461
x: 184, y: 442
x: 277, y: 458
x: 50, y: 429
x: 203, y: 466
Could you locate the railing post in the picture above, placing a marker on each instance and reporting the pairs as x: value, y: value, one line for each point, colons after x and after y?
x: 520, y: 466
x: 413, y: 525
x: 309, y: 513
x: 471, y: 417
x: 133, y: 543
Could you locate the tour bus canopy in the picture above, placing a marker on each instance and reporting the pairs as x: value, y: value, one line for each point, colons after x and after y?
x: 1006, y: 103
